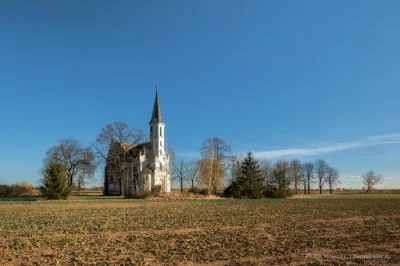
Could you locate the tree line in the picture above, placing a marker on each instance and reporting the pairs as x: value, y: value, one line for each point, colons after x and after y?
x: 253, y: 179
x: 16, y: 190
x: 70, y: 164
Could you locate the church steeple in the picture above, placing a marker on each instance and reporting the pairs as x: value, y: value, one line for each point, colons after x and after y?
x: 156, y: 116
x: 157, y: 129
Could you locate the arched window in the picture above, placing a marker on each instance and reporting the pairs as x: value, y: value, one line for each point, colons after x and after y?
x: 160, y: 131
x: 160, y: 143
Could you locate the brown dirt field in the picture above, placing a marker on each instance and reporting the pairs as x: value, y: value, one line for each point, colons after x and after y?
x: 297, y: 231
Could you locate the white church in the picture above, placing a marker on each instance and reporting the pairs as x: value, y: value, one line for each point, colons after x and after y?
x: 148, y: 169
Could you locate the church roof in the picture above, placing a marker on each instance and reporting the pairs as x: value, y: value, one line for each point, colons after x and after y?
x: 134, y: 151
x: 156, y: 116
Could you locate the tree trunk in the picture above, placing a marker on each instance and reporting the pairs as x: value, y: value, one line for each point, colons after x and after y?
x: 308, y: 184
x: 320, y: 189
x: 305, y: 188
x: 192, y: 183
x: 79, y: 189
x: 330, y: 188
x: 211, y: 172
x: 181, y: 184
x: 121, y: 188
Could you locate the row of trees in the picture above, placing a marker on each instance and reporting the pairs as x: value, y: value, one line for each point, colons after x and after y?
x: 276, y: 180
x: 74, y: 164
x: 213, y: 167
x: 20, y: 189
x: 208, y: 172
x: 255, y: 180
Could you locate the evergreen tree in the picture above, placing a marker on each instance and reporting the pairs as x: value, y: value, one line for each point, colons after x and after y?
x: 251, y: 179
x: 54, y: 182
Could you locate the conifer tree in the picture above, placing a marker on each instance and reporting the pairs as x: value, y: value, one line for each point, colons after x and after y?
x: 250, y: 178
x: 54, y: 182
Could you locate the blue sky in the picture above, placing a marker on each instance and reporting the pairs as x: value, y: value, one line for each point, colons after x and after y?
x: 285, y: 79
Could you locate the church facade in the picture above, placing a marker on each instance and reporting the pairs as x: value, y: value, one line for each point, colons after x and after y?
x: 148, y: 167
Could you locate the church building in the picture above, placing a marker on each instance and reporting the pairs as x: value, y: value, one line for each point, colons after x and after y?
x: 148, y: 167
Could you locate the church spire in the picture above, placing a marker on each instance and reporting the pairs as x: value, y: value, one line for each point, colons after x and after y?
x: 156, y: 117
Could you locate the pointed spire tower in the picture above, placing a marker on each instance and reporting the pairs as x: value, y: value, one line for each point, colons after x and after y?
x: 156, y: 116
x: 157, y: 129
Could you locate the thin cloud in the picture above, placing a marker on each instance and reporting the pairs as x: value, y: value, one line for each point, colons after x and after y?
x: 364, y: 142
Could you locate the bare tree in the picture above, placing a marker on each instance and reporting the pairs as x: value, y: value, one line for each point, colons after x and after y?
x: 180, y: 171
x: 303, y: 179
x: 280, y: 179
x: 214, y: 164
x: 217, y: 146
x: 266, y: 171
x: 79, y: 161
x: 193, y: 170
x: 371, y: 179
x: 295, y: 173
x: 332, y: 178
x: 85, y: 175
x: 321, y: 168
x: 112, y: 148
x: 170, y: 154
x: 308, y: 169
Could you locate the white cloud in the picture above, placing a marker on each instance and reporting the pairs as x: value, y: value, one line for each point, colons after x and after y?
x: 364, y: 142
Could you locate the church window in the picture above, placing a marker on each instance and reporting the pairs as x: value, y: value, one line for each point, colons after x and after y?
x: 160, y: 131
x: 161, y: 143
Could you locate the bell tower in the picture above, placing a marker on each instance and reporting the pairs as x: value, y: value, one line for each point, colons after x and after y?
x: 157, y: 129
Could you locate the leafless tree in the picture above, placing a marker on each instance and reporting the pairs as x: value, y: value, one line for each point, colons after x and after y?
x: 180, y: 173
x: 112, y: 148
x: 332, y: 178
x: 308, y: 169
x: 215, y: 153
x: 87, y: 174
x: 321, y: 169
x: 171, y: 155
x: 218, y: 147
x: 266, y: 171
x: 79, y: 161
x: 295, y: 173
x: 193, y: 170
x: 371, y: 179
x: 280, y: 179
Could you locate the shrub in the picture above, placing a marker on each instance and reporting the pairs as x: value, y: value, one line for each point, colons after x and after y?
x: 272, y: 192
x: 234, y: 190
x: 194, y: 190
x: 23, y: 189
x: 156, y: 190
x: 204, y: 192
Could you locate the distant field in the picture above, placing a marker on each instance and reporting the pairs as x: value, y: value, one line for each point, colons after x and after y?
x: 101, y: 230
